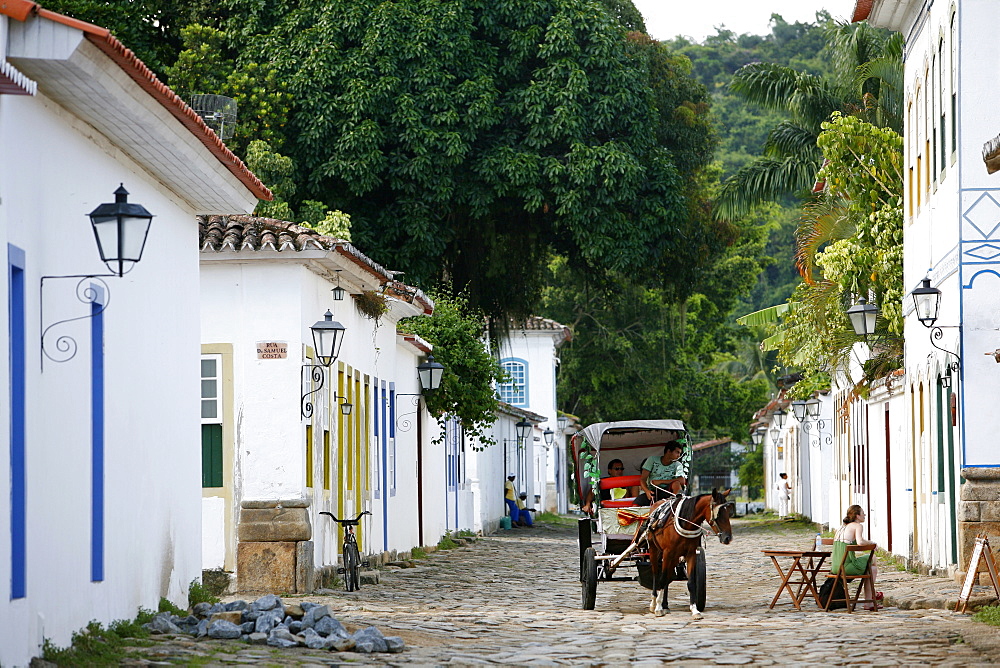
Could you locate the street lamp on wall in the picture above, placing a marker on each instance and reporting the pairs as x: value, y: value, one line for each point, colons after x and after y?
x: 429, y: 374
x: 523, y: 428
x: 549, y: 436
x: 562, y: 422
x: 927, y: 304
x: 120, y: 230
x: 863, y: 317
x: 328, y: 336
x: 779, y: 417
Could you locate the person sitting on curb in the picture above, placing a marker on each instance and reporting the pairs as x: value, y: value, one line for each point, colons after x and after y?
x: 524, y: 513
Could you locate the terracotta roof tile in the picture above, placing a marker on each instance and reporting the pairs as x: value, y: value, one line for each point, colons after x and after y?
x: 20, y: 10
x: 238, y: 233
x: 862, y: 10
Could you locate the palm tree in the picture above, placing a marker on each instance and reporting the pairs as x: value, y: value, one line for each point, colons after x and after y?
x: 867, y: 81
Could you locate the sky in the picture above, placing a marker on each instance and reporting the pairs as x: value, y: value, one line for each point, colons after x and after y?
x: 698, y: 18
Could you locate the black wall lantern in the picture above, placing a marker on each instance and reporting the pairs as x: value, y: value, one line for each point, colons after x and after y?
x: 779, y: 417
x: 523, y: 429
x: 328, y: 336
x: 338, y: 292
x: 429, y: 374
x: 562, y: 422
x: 927, y: 304
x: 549, y: 436
x: 863, y: 317
x: 120, y: 230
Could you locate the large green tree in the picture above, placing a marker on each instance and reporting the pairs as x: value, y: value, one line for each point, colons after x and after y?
x: 468, y: 140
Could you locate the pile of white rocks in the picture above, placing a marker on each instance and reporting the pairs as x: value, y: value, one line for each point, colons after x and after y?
x: 268, y: 621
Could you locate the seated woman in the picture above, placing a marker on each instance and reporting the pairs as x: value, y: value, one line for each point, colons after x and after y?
x: 853, y: 533
x: 660, y: 477
x: 615, y: 468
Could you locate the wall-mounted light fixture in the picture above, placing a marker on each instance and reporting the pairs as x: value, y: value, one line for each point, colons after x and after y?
x: 927, y: 303
x: 338, y: 292
x: 120, y: 230
x: 562, y: 422
x: 549, y: 436
x: 807, y: 413
x: 757, y: 437
x: 779, y: 417
x: 345, y: 406
x: 775, y: 435
x: 523, y: 428
x: 863, y: 317
x: 429, y: 374
x: 328, y: 336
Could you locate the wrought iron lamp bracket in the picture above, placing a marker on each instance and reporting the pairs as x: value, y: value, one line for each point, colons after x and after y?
x: 65, y: 345
x: 317, y: 375
x: 401, y: 423
x: 937, y: 333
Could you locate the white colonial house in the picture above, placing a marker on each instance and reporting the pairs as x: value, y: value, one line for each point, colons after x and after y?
x: 99, y: 496
x: 946, y: 485
x: 530, y: 356
x: 285, y: 436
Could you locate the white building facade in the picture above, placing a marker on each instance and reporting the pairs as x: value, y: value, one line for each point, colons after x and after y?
x: 278, y: 446
x: 100, y: 509
x: 952, y: 238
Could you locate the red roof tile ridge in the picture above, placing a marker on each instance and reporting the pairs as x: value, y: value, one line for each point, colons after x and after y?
x: 862, y: 10
x: 102, y: 38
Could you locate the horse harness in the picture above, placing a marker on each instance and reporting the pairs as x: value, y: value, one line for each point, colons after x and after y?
x: 661, y: 515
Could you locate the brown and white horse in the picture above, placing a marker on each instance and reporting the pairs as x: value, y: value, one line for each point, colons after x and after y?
x: 676, y: 534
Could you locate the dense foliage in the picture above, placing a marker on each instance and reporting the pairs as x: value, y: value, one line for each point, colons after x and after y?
x: 470, y: 372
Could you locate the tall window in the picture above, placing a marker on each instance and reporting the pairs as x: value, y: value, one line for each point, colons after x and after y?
x: 211, y: 421
x: 932, y: 156
x: 515, y: 390
x: 941, y: 104
x: 16, y: 351
x: 953, y: 69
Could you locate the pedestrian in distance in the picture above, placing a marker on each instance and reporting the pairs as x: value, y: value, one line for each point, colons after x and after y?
x: 783, y: 492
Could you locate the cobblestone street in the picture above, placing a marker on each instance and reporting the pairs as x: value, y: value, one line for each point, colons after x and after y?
x: 515, y: 599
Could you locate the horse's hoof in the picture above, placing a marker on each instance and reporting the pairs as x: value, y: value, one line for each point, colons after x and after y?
x: 660, y: 613
x: 696, y: 615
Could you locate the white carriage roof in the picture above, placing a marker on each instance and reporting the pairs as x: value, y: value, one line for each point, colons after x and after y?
x: 630, y: 432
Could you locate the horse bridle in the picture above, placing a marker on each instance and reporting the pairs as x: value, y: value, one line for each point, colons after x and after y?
x: 714, y: 511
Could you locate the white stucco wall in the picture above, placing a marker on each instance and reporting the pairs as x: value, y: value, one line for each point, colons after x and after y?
x: 152, y: 516
x: 268, y: 296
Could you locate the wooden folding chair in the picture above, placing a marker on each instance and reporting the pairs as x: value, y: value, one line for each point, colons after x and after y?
x: 843, y: 579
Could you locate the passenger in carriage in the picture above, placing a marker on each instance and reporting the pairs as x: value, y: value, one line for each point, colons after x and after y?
x: 661, y: 473
x: 615, y: 468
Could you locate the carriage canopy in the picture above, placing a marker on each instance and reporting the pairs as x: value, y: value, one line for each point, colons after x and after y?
x: 631, y: 441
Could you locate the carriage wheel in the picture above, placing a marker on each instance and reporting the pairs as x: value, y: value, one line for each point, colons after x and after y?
x: 589, y: 578
x: 698, y: 574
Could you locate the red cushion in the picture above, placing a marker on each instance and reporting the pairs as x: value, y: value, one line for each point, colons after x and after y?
x: 620, y: 503
x: 619, y: 481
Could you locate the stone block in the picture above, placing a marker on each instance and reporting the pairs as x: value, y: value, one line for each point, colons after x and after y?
x: 968, y: 511
x: 260, y: 525
x: 265, y: 567
x: 990, y: 512
x: 305, y: 569
x: 234, y: 616
x: 369, y: 577
x: 276, y: 503
x: 980, y: 491
x: 967, y: 532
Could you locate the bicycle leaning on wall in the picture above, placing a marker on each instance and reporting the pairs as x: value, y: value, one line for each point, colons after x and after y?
x: 350, y: 554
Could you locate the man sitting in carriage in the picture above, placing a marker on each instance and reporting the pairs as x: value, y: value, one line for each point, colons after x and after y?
x: 664, y: 476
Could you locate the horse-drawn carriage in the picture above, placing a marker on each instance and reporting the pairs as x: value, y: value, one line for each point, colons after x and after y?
x: 654, y: 544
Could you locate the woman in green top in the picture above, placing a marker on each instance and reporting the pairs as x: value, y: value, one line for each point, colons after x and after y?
x: 853, y: 533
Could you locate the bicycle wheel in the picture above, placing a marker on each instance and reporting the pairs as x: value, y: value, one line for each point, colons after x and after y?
x: 352, y: 567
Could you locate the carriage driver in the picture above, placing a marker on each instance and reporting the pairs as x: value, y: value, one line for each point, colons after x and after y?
x: 663, y: 472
